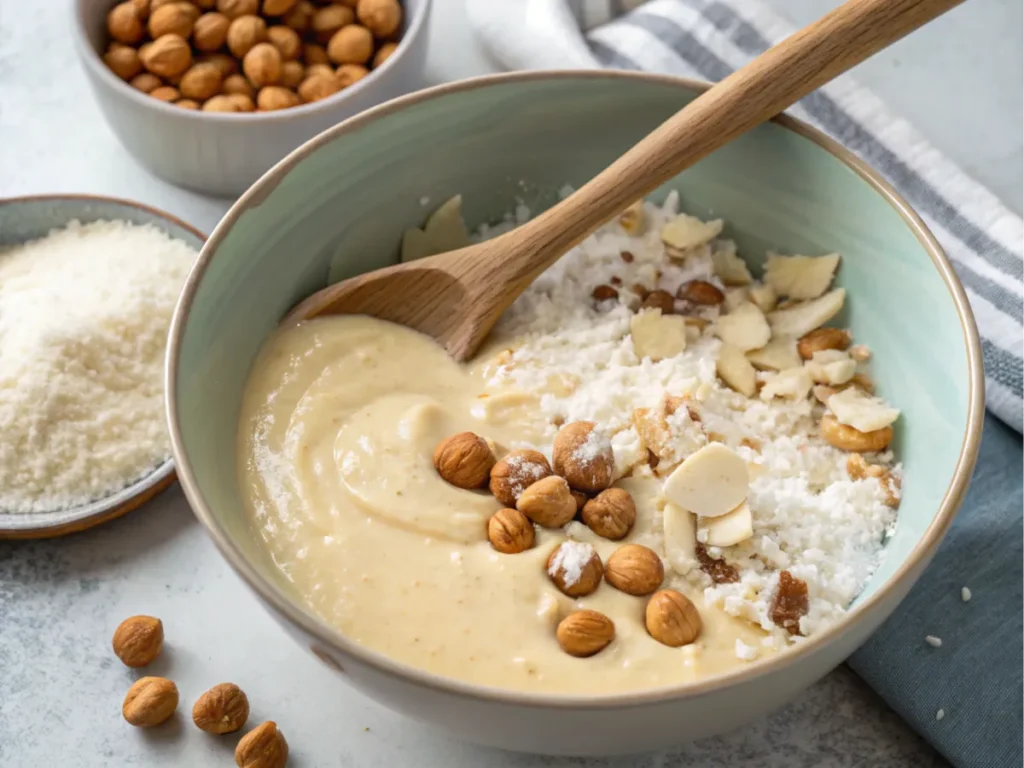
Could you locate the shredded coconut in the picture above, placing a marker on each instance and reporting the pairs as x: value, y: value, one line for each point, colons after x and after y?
x: 84, y: 314
x: 571, y: 558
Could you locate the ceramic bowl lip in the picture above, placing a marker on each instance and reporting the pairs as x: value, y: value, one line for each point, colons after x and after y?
x: 94, y: 61
x: 332, y: 639
x: 160, y: 477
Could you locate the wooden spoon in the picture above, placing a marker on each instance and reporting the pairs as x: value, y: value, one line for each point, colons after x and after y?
x: 457, y: 297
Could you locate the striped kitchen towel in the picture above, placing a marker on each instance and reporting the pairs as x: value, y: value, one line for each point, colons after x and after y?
x: 707, y: 39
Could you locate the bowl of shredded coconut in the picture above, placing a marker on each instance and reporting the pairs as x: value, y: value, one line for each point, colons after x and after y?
x: 770, y: 360
x: 87, y: 287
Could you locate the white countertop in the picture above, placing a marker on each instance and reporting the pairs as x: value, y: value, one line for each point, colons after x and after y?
x: 60, y: 685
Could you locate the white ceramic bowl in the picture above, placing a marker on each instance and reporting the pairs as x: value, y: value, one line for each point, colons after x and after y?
x: 223, y: 153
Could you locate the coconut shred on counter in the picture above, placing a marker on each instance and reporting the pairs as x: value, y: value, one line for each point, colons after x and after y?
x: 658, y: 469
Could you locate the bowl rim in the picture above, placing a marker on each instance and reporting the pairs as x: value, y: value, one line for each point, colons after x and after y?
x: 94, y: 61
x: 276, y: 598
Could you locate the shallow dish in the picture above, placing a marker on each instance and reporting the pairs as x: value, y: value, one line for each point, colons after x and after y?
x: 221, y: 153
x: 27, y: 218
x: 509, y: 138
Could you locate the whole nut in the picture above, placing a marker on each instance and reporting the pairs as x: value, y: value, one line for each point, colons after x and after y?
x: 292, y: 74
x: 659, y: 299
x: 173, y: 19
x: 235, y: 8
x: 287, y: 42
x: 277, y: 7
x: 138, y: 640
x: 581, y: 500
x: 575, y: 568
x: 515, y: 473
x: 327, y: 21
x: 274, y: 97
x: 846, y: 438
x: 244, y: 33
x: 262, y: 65
x: 583, y: 456
x: 300, y: 17
x: 584, y: 633
x: 146, y: 82
x: 166, y: 93
x: 228, y: 65
x: 123, y: 61
x: 464, y: 460
x: 222, y: 709
x: 548, y: 502
x: 381, y: 17
x: 150, y: 701
x: 701, y: 292
x: 510, y: 531
x: 672, y: 619
x: 610, y: 514
x: 384, y: 53
x: 210, y: 31
x: 347, y: 74
x: 167, y: 56
x: 124, y: 23
x: 314, y: 54
x: 262, y: 747
x: 237, y: 84
x: 318, y: 86
x: 604, y: 293
x: 229, y: 102
x: 351, y: 44
x: 141, y: 7
x: 821, y: 339
x: 187, y: 104
x: 201, y: 81
x: 316, y: 70
x: 635, y: 570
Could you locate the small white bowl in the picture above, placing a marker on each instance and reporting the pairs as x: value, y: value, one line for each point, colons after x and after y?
x: 223, y: 153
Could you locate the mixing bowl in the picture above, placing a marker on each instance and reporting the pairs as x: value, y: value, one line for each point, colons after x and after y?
x: 513, y: 138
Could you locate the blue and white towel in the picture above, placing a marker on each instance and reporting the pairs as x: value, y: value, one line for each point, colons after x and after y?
x: 707, y: 39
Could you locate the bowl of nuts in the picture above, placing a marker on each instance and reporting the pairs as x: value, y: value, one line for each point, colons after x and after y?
x: 209, y: 94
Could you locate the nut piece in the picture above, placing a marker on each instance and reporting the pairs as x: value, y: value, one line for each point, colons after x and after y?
x: 381, y: 17
x: 847, y: 438
x: 635, y: 570
x: 232, y: 102
x: 222, y: 709
x: 575, y: 568
x: 464, y: 460
x: 244, y: 33
x: 138, y: 640
x: 800, y: 277
x: 603, y: 293
x: 610, y: 514
x: 384, y: 53
x: 583, y: 456
x: 510, y: 531
x: 125, y: 24
x: 516, y: 472
x: 210, y: 31
x: 672, y: 619
x: 584, y: 633
x: 262, y: 747
x: 173, y: 19
x: 262, y: 65
x: 701, y: 292
x: 150, y: 701
x: 273, y: 97
x: 659, y: 299
x: 548, y: 502
x: 200, y: 82
x: 352, y: 44
x: 821, y: 339
x: 167, y: 56
x: 123, y: 61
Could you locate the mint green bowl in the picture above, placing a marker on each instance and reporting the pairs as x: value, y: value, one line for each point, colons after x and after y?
x: 351, y: 192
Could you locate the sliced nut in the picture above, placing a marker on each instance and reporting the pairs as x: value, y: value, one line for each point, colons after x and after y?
x: 821, y: 339
x: 736, y: 370
x: 583, y: 455
x: 672, y: 619
x: 150, y: 701
x: 727, y: 530
x: 684, y: 232
x: 604, y: 292
x: 632, y: 220
x: 822, y: 393
x: 680, y: 539
x: 515, y: 473
x: 548, y: 502
x: 635, y: 570
x: 764, y: 296
x: 729, y: 267
x: 846, y: 438
x: 831, y: 366
x: 701, y: 292
x: 464, y: 460
x: 744, y: 328
x: 262, y: 747
x: 864, y: 382
x: 222, y: 709
x: 710, y: 483
x: 777, y: 355
x: 584, y: 633
x: 800, y: 319
x: 138, y: 640
x: 800, y: 277
x: 510, y: 531
x: 735, y: 297
x: 657, y: 335
x: 790, y: 384
x: 610, y: 514
x: 575, y: 568
x: 863, y: 412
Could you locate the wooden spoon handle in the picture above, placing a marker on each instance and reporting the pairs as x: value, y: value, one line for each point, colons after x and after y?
x: 762, y: 89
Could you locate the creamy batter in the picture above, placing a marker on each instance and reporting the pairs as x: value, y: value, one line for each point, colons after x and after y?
x: 339, y: 421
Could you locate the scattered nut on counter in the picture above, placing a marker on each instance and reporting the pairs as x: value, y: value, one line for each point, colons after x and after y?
x: 222, y: 709
x: 150, y: 701
x: 262, y: 747
x: 188, y: 50
x: 138, y: 640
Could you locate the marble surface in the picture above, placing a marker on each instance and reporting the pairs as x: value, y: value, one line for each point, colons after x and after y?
x: 60, y: 685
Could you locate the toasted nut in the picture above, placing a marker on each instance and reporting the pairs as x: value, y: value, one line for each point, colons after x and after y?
x: 351, y: 44
x: 575, y: 568
x: 317, y: 70
x: 516, y: 472
x: 384, y: 53
x: 315, y: 54
x: 146, y: 82
x: 381, y: 17
x: 292, y: 74
x: 245, y: 33
x: 581, y: 500
x: 237, y: 84
x: 610, y: 514
x: 262, y: 747
x: 228, y: 65
x: 300, y: 17
x: 510, y: 531
x: 262, y: 65
x: 225, y: 103
x: 847, y: 438
x: 124, y: 23
x: 464, y: 460
x: 584, y: 633
x: 327, y: 21
x: 287, y: 42
x: 318, y: 86
x: 583, y: 456
x: 548, y: 502
x: 138, y: 640
x: 347, y: 74
x: 277, y: 7
x: 167, y: 56
x: 166, y: 93
x: 191, y: 104
x: 173, y: 19
x: 864, y: 382
x: 672, y: 619
x: 210, y: 31
x: 123, y: 61
x: 603, y: 293
x: 235, y: 8
x: 821, y: 339
x: 860, y: 353
x: 201, y: 82
x: 659, y: 299
x: 635, y: 570
x: 701, y: 292
x: 823, y: 392
x: 222, y: 709
x: 150, y: 701
x: 272, y: 97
